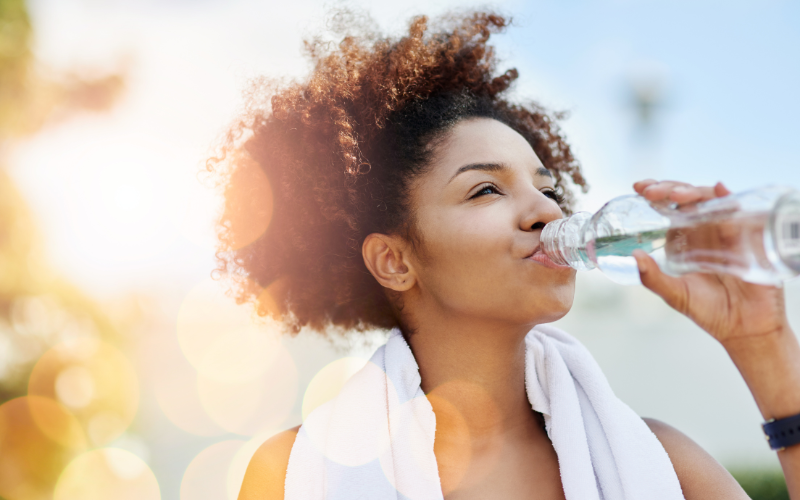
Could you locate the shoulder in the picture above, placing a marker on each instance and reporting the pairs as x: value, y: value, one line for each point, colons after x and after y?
x: 266, y: 473
x: 701, y: 476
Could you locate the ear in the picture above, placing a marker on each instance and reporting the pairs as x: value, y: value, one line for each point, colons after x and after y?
x: 385, y: 258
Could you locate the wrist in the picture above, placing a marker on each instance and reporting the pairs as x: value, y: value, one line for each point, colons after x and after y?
x: 770, y: 365
x: 752, y: 348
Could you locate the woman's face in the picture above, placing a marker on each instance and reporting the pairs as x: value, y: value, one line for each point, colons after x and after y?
x: 479, y: 213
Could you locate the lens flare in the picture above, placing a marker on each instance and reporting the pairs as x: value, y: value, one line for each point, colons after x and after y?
x: 249, y: 407
x: 93, y: 379
x: 251, y: 190
x: 458, y: 451
x: 328, y: 382
x: 268, y: 298
x: 450, y: 417
x: 206, y: 477
x: 220, y: 339
x: 38, y: 437
x: 107, y: 473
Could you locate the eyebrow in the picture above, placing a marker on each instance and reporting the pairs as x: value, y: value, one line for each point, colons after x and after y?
x: 495, y: 167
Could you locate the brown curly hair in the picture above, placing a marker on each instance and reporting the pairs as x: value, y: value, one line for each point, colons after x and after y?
x: 315, y: 166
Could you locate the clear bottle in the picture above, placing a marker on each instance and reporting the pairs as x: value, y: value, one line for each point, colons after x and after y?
x: 754, y: 235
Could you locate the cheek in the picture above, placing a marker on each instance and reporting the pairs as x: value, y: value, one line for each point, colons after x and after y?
x: 463, y: 251
x: 465, y: 262
x: 473, y: 267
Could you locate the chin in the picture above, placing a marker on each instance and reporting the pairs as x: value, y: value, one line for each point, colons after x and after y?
x: 555, y: 303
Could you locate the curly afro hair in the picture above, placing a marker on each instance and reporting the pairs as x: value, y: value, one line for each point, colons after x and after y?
x: 315, y: 166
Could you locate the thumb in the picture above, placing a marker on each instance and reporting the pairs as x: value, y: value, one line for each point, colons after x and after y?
x: 671, y: 289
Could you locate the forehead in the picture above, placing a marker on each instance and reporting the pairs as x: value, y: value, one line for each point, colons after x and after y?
x: 482, y: 140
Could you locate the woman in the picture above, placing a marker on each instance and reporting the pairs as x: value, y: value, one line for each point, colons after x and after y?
x: 407, y: 193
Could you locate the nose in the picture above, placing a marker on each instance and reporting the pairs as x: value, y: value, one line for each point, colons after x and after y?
x: 539, y: 210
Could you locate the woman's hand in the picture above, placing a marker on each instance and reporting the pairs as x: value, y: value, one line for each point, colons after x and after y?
x: 749, y: 320
x: 723, y: 305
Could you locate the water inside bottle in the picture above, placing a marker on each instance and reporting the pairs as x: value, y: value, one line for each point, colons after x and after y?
x: 613, y: 253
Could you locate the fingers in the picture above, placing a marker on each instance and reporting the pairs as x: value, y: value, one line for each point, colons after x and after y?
x: 678, y: 192
x: 640, y: 186
x: 720, y: 190
x: 671, y: 289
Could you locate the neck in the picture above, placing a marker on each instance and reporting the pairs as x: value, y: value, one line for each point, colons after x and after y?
x: 474, y: 374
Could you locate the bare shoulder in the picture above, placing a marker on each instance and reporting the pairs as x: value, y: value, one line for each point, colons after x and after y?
x: 266, y: 473
x: 701, y: 476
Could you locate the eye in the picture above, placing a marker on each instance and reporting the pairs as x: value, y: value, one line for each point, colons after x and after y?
x: 484, y: 190
x: 553, y: 195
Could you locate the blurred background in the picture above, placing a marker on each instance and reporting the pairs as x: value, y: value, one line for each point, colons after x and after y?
x: 125, y: 372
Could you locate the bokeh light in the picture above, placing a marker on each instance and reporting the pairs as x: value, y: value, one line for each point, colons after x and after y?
x: 249, y: 182
x: 206, y: 477
x: 179, y: 400
x: 95, y: 381
x: 328, y: 382
x: 220, y: 339
x: 38, y: 437
x: 107, y: 473
x: 254, y: 405
x: 267, y: 298
x: 457, y: 450
x: 174, y: 383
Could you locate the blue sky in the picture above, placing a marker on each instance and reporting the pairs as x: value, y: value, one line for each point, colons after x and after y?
x: 733, y: 71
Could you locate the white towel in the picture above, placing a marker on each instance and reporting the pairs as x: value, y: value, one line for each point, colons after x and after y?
x: 375, y: 439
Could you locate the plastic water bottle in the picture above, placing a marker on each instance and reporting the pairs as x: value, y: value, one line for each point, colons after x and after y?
x: 754, y: 235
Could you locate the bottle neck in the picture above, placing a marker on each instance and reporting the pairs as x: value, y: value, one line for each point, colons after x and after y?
x: 551, y: 244
x: 562, y: 241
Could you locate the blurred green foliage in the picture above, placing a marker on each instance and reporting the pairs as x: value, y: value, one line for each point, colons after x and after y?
x: 762, y: 484
x: 15, y: 59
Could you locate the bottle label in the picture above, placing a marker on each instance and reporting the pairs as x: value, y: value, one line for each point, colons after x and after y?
x: 788, y: 229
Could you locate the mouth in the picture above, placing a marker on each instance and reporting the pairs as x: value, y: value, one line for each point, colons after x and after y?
x: 541, y: 258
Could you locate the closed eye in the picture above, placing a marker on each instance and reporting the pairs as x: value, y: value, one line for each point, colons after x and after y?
x: 553, y: 195
x: 484, y: 190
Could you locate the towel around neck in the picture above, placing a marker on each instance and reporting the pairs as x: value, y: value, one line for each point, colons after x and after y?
x: 375, y: 439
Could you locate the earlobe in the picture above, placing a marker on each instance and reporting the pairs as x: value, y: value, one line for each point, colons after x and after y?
x: 384, y: 257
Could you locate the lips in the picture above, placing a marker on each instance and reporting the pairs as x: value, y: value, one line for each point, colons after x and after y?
x: 540, y: 257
